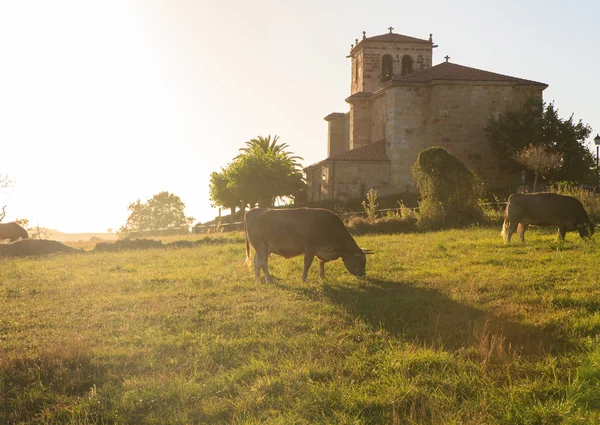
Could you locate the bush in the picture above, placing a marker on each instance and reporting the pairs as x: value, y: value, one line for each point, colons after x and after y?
x: 450, y: 190
x: 358, y: 225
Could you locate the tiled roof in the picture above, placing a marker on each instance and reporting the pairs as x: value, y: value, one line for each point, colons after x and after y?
x: 448, y: 71
x: 371, y: 152
x: 396, y: 38
x: 359, y: 94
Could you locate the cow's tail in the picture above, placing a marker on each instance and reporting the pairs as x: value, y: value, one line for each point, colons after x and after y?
x: 248, y: 253
x: 504, y: 232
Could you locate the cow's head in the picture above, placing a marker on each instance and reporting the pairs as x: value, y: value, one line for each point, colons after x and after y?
x: 586, y: 229
x: 356, y: 262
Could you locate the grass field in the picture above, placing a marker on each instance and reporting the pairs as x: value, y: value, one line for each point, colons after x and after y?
x: 451, y: 327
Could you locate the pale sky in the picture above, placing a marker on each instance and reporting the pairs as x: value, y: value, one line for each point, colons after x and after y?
x: 109, y: 101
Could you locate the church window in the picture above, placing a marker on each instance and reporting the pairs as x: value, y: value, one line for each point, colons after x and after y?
x: 387, y: 68
x: 407, y: 65
x: 356, y: 69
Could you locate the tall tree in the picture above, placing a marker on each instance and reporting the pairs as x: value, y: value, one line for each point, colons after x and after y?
x: 163, y: 211
x: 536, y: 123
x: 263, y: 171
x: 267, y: 145
x: 260, y: 177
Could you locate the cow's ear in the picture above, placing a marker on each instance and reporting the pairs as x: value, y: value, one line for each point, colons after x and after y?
x: 366, y: 251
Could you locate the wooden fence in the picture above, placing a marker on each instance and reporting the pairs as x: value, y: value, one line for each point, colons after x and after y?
x: 214, y: 228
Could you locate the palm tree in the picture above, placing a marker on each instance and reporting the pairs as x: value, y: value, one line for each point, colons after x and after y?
x: 266, y: 145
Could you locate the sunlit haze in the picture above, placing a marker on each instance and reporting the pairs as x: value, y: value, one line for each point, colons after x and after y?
x: 106, y: 102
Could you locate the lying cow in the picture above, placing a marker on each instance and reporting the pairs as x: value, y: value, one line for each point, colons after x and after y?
x: 12, y: 231
x: 545, y: 209
x: 34, y: 247
x: 292, y: 232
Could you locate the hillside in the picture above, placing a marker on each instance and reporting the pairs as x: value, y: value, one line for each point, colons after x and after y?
x: 449, y: 327
x: 76, y: 237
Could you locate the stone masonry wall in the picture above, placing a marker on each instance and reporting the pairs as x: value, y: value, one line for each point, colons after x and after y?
x: 337, y: 135
x: 378, y: 118
x: 405, y: 131
x: 353, y: 179
x: 449, y: 115
x: 360, y: 123
x: 457, y: 116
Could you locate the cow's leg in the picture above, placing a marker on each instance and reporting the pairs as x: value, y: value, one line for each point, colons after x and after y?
x: 322, y: 269
x: 521, y: 230
x: 256, y: 267
x: 265, y: 268
x: 308, y: 259
x: 261, y: 262
x: 562, y: 231
x: 512, y: 228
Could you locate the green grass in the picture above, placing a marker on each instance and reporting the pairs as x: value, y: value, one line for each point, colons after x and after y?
x: 451, y: 327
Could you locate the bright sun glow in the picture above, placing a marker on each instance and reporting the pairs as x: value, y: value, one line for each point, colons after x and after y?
x: 103, y: 103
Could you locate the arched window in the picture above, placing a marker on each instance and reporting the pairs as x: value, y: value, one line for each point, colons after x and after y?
x: 387, y: 68
x: 407, y: 65
x: 356, y: 69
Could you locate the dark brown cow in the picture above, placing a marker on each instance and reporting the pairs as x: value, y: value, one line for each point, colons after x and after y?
x: 12, y: 231
x: 292, y: 232
x: 545, y: 209
x: 34, y: 247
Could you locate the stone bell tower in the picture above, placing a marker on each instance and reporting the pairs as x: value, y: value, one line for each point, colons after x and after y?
x: 376, y: 61
x: 381, y: 58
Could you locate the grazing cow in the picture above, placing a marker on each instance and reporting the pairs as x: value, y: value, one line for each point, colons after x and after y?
x: 292, y: 232
x: 12, y: 231
x: 34, y: 247
x: 545, y: 209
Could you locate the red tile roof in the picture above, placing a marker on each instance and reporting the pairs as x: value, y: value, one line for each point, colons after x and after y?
x: 448, y: 71
x: 397, y: 38
x: 371, y: 152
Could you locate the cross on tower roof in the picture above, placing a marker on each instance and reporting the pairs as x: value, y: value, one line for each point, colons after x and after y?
x: 447, y: 58
x: 391, y: 28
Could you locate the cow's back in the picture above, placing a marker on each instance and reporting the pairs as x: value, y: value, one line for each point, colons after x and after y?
x: 296, y: 227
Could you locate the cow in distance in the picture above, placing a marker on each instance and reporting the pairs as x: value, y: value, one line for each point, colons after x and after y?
x: 313, y: 232
x: 545, y: 209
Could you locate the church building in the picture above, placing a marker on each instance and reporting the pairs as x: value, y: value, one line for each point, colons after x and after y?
x: 399, y: 105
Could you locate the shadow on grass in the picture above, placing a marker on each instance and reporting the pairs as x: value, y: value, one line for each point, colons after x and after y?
x: 430, y: 318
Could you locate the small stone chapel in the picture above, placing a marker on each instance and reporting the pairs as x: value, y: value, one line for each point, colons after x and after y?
x: 399, y: 105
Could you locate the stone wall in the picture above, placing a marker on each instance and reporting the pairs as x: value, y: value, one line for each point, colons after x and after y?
x: 360, y: 122
x: 451, y: 115
x: 378, y: 119
x: 352, y: 179
x: 313, y: 183
x: 338, y: 140
x: 405, y: 131
x: 458, y: 114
